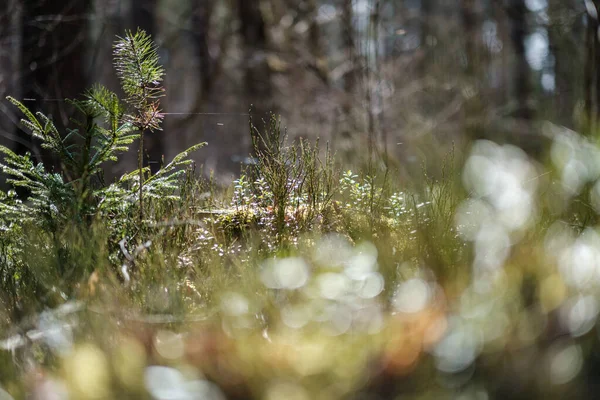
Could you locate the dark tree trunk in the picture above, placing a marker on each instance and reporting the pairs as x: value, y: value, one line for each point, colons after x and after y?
x: 10, y: 54
x: 201, y: 15
x: 589, y: 70
x: 257, y: 77
x: 349, y: 45
x: 345, y: 144
x: 594, y: 23
x: 562, y: 90
x: 312, y: 9
x: 309, y: 12
x: 475, y: 64
x: 143, y: 17
x: 374, y: 98
x: 565, y: 33
x: 517, y: 14
x: 428, y: 37
x: 593, y: 80
x: 109, y: 22
x: 592, y: 69
x: 502, y: 91
x: 471, y: 19
x: 53, y: 57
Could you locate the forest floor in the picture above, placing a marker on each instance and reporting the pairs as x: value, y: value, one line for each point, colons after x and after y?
x: 310, y: 283
x: 479, y: 279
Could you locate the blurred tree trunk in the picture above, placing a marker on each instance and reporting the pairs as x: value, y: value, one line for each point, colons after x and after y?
x: 347, y: 129
x: 428, y: 102
x: 475, y: 65
x: 210, y: 64
x: 594, y: 23
x: 143, y: 17
x: 428, y: 38
x: 349, y: 45
x: 108, y: 23
x: 471, y: 19
x: 257, y: 76
x: 517, y: 13
x: 201, y: 15
x: 53, y: 56
x: 309, y: 11
x: 111, y: 18
x: 399, y: 19
x: 502, y: 84
x: 374, y: 98
x: 566, y: 31
x: 10, y: 54
x: 312, y: 11
x: 592, y: 67
x: 563, y: 92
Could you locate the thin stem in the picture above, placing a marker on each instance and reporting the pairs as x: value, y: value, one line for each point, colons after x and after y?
x: 141, y: 170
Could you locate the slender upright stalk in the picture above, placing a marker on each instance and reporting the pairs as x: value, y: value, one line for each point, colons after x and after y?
x: 141, y: 175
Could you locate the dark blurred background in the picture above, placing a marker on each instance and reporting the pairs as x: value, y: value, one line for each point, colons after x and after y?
x: 366, y: 75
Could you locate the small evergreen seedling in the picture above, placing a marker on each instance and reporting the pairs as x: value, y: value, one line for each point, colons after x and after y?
x: 66, y: 203
x: 106, y: 127
x: 136, y: 62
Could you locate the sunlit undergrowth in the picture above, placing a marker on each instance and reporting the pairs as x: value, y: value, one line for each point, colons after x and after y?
x: 302, y: 281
